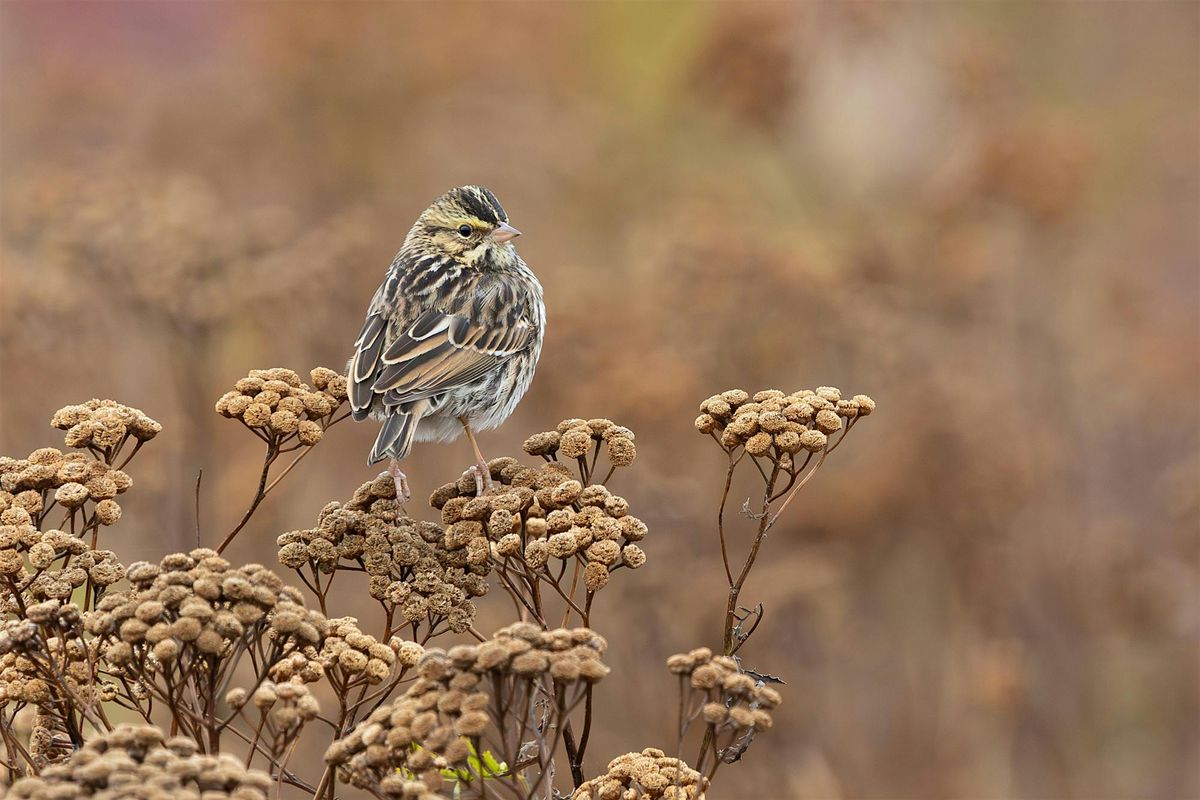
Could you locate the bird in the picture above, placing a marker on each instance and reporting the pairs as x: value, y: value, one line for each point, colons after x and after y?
x: 452, y: 336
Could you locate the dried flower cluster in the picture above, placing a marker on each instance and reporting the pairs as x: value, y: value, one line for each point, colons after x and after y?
x: 49, y: 741
x: 275, y: 403
x: 775, y: 424
x: 526, y: 651
x: 413, y: 567
x: 401, y: 749
x: 166, y: 641
x: 140, y: 763
x: 435, y: 714
x: 730, y: 701
x: 577, y: 438
x: 648, y: 775
x: 44, y: 659
x: 104, y: 426
x: 28, y: 557
x: 536, y: 514
x: 285, y: 706
x: 47, y: 477
x: 355, y: 653
x: 194, y: 609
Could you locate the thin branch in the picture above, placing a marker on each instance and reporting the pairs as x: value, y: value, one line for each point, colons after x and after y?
x: 733, y: 462
x: 272, y: 453
x: 286, y: 470
x: 199, y: 477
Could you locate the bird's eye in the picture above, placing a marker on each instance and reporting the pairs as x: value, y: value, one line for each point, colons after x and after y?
x: 465, y: 230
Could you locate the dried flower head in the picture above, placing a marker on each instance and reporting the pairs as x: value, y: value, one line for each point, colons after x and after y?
x: 187, y: 613
x: 278, y: 405
x: 104, y: 425
x: 352, y: 653
x: 421, y: 570
x: 731, y: 702
x: 774, y: 425
x: 537, y: 513
x: 578, y: 438
x: 418, y: 733
x: 72, y: 481
x: 140, y: 761
x: 426, y: 729
x: 650, y: 774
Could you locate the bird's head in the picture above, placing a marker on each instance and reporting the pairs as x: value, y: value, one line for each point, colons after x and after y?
x: 469, y: 225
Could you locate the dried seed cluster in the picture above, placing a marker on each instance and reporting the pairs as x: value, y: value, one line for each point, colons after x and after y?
x: 774, y: 424
x: 104, y: 426
x: 540, y: 513
x: 401, y: 747
x: 648, y: 775
x: 355, y: 653
x: 27, y: 556
x: 733, y: 701
x: 47, y: 477
x: 287, y: 705
x: 49, y: 741
x: 302, y: 664
x: 49, y: 634
x: 410, y: 564
x: 438, y: 710
x: 577, y: 438
x: 21, y: 681
x: 193, y: 605
x: 527, y: 652
x: 139, y: 763
x: 275, y: 402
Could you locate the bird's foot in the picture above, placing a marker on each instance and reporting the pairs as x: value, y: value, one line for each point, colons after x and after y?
x: 483, y: 478
x: 403, y: 493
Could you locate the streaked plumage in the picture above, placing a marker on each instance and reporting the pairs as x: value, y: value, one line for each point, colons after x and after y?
x: 453, y: 335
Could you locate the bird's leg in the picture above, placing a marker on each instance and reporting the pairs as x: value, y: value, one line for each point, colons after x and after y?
x: 401, y: 480
x: 483, y: 477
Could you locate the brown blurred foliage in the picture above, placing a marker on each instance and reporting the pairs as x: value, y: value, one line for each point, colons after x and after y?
x: 985, y: 215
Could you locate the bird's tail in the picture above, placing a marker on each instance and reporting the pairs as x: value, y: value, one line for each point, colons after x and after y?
x: 396, y: 436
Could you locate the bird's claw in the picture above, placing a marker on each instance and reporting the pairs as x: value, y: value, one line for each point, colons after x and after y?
x: 482, y: 476
x: 403, y: 493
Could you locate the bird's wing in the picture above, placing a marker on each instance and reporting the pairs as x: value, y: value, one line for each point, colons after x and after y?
x: 441, y: 350
x: 364, y: 364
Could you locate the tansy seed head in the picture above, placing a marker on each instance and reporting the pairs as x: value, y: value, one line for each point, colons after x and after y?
x: 827, y: 421
x: 813, y: 441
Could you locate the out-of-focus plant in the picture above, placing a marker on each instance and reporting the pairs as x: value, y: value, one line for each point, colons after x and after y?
x: 223, y: 664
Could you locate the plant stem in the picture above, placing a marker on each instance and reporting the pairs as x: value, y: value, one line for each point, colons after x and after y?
x: 272, y: 454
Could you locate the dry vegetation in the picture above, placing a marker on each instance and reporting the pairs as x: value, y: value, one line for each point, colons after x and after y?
x: 984, y: 214
x: 226, y: 670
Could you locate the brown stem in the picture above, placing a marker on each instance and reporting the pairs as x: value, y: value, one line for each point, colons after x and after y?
x: 272, y: 454
x: 735, y: 589
x: 571, y: 606
x: 573, y: 759
x: 132, y: 453
x: 797, y: 488
x: 287, y: 469
x: 574, y: 583
x: 587, y: 724
x: 262, y: 720
x: 199, y: 477
x: 733, y: 462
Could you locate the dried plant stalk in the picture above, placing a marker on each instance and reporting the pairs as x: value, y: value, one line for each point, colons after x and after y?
x: 224, y: 664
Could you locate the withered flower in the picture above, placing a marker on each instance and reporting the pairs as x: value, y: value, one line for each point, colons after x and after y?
x: 775, y: 425
x: 112, y: 764
x: 276, y: 403
x: 650, y: 774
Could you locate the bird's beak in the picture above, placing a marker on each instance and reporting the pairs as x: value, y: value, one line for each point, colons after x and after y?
x: 504, y: 232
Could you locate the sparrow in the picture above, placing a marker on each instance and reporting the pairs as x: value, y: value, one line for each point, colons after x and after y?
x: 453, y: 334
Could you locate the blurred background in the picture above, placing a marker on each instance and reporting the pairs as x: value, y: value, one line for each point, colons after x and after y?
x: 984, y: 215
